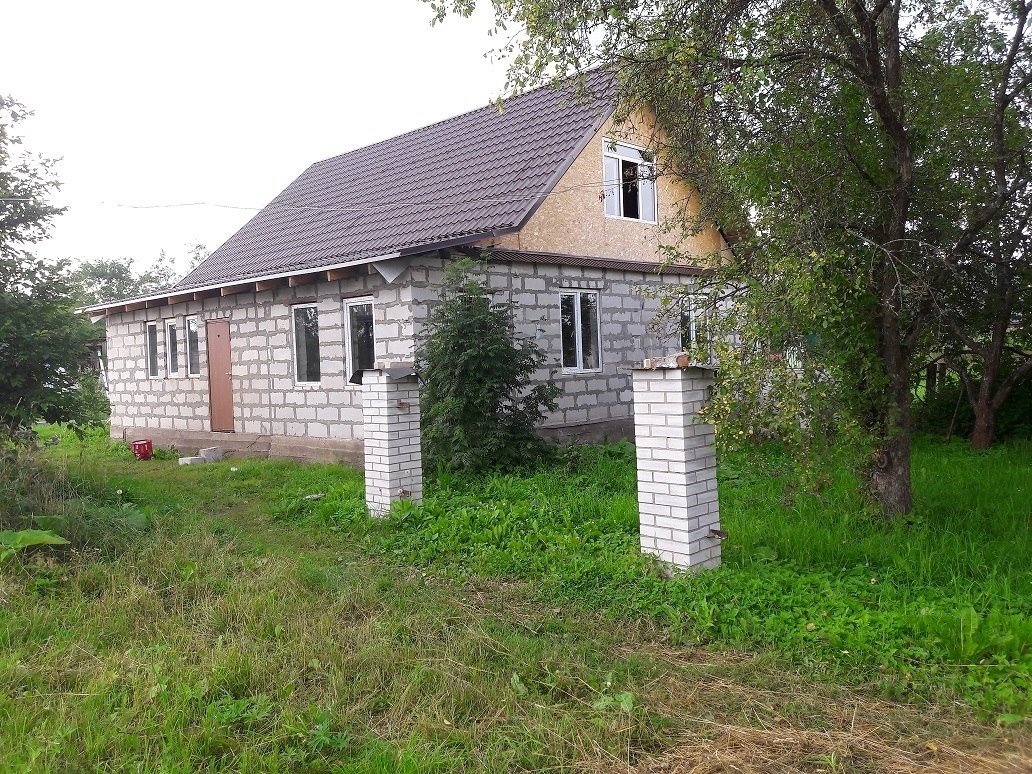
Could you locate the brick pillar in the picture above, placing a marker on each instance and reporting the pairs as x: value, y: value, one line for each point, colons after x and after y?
x: 390, y: 415
x: 677, y: 463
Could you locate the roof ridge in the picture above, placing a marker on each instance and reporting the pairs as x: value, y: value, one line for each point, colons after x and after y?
x: 556, y: 86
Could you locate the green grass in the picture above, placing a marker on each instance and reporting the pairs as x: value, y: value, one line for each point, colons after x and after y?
x: 939, y: 605
x: 510, y: 623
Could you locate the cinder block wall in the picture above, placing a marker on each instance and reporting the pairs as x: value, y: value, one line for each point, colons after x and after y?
x: 269, y: 404
x: 592, y: 405
x: 268, y: 401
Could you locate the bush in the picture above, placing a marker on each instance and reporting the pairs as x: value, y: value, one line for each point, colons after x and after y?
x: 1013, y: 420
x: 479, y: 410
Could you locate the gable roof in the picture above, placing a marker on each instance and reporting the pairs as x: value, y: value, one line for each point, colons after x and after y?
x: 479, y: 174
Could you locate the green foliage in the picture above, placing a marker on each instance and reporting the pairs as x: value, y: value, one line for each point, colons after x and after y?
x: 236, y: 642
x: 12, y: 542
x: 934, y: 414
x: 44, y: 348
x: 25, y: 182
x: 838, y: 142
x: 43, y: 343
x: 940, y: 603
x: 37, y: 498
x: 478, y: 408
x: 108, y: 279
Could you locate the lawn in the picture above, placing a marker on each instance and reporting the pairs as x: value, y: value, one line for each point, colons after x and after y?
x: 249, y: 616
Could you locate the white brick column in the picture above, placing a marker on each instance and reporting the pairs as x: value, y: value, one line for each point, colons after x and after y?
x: 393, y: 459
x: 677, y: 463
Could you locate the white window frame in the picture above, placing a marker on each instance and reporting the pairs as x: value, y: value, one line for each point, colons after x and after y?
x: 578, y: 339
x: 348, y: 303
x: 153, y: 356
x: 178, y: 370
x: 610, y: 148
x: 695, y: 302
x: 187, y: 349
x: 298, y: 381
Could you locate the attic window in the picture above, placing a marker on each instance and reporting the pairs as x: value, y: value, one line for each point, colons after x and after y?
x: 630, y: 182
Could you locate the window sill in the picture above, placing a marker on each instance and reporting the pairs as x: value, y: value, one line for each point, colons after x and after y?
x: 579, y: 371
x: 631, y: 220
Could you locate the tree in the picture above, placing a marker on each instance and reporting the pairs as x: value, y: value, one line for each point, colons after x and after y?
x: 44, y: 348
x: 984, y: 331
x: 196, y: 254
x: 25, y: 182
x: 109, y: 279
x: 820, y: 131
x: 478, y: 410
x: 989, y: 342
x: 43, y: 343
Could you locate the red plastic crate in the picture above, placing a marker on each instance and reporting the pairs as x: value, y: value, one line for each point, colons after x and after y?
x: 142, y: 449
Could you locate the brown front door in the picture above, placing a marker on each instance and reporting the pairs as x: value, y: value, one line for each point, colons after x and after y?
x: 220, y: 376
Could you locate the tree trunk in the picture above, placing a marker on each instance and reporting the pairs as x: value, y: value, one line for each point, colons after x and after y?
x: 891, y: 476
x: 930, y: 374
x: 985, y: 421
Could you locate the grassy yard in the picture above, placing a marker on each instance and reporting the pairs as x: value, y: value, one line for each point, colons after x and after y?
x: 254, y: 618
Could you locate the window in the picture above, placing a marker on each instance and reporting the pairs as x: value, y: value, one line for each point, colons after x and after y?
x: 578, y: 310
x: 361, y: 343
x: 152, y: 350
x: 193, y: 346
x: 630, y: 182
x: 306, y: 344
x: 172, y: 347
x: 695, y: 328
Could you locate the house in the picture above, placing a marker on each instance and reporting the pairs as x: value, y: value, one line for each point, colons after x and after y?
x: 256, y: 348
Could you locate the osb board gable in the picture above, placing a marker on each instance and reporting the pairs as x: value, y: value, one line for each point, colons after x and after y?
x: 572, y: 220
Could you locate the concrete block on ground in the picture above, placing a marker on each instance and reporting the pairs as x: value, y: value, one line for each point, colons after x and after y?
x: 192, y: 460
x: 211, y: 454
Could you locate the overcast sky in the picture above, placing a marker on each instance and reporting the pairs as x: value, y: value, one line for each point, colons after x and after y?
x: 220, y: 101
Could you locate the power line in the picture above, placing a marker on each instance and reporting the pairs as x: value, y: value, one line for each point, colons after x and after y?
x: 371, y: 208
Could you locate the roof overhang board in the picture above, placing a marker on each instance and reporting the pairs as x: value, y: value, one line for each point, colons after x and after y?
x: 270, y: 284
x: 209, y: 291
x: 303, y: 279
x: 232, y: 290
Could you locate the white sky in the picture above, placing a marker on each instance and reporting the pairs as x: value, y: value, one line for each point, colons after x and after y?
x: 220, y: 101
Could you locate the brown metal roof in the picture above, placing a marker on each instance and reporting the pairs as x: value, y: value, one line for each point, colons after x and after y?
x: 565, y: 259
x: 478, y: 174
